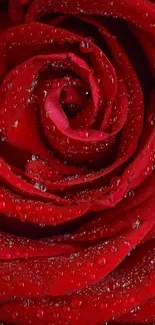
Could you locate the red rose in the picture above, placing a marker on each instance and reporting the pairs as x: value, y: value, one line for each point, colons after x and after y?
x: 77, y: 141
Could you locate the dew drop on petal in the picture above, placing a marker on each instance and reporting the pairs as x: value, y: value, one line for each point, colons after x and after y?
x: 21, y: 284
x: 83, y: 134
x: 6, y: 277
x: 15, y: 124
x: 76, y: 303
x: 131, y: 193
x: 93, y: 276
x: 100, y: 136
x: 114, y: 249
x: 136, y: 224
x: 40, y: 313
x: 14, y: 315
x: 40, y: 187
x: 34, y: 157
x: 115, y: 182
x: 151, y: 119
x: 101, y: 261
x: 8, y: 256
x: 85, y: 46
x: 103, y: 306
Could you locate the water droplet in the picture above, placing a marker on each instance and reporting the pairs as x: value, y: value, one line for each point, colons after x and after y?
x: 8, y: 256
x: 27, y: 207
x: 148, y: 171
x: 2, y: 204
x: 26, y: 304
x: 101, y: 261
x: 19, y: 89
x: 34, y: 157
x: 55, y: 315
x: 3, y: 139
x: 115, y: 182
x: 93, y: 276
x: 40, y: 313
x: 10, y: 85
x: 76, y: 303
x: 83, y: 134
x: 131, y: 193
x: 100, y: 135
x: 6, y: 277
x: 103, y: 306
x: 139, y: 118
x: 14, y: 315
x: 40, y: 187
x: 65, y: 308
x: 18, y: 208
x: 151, y: 119
x: 85, y: 46
x: 21, y: 284
x: 136, y: 224
x: 114, y: 249
x: 15, y: 124
x: 23, y: 217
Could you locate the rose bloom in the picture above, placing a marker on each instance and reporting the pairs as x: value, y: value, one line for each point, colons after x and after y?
x: 77, y: 163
